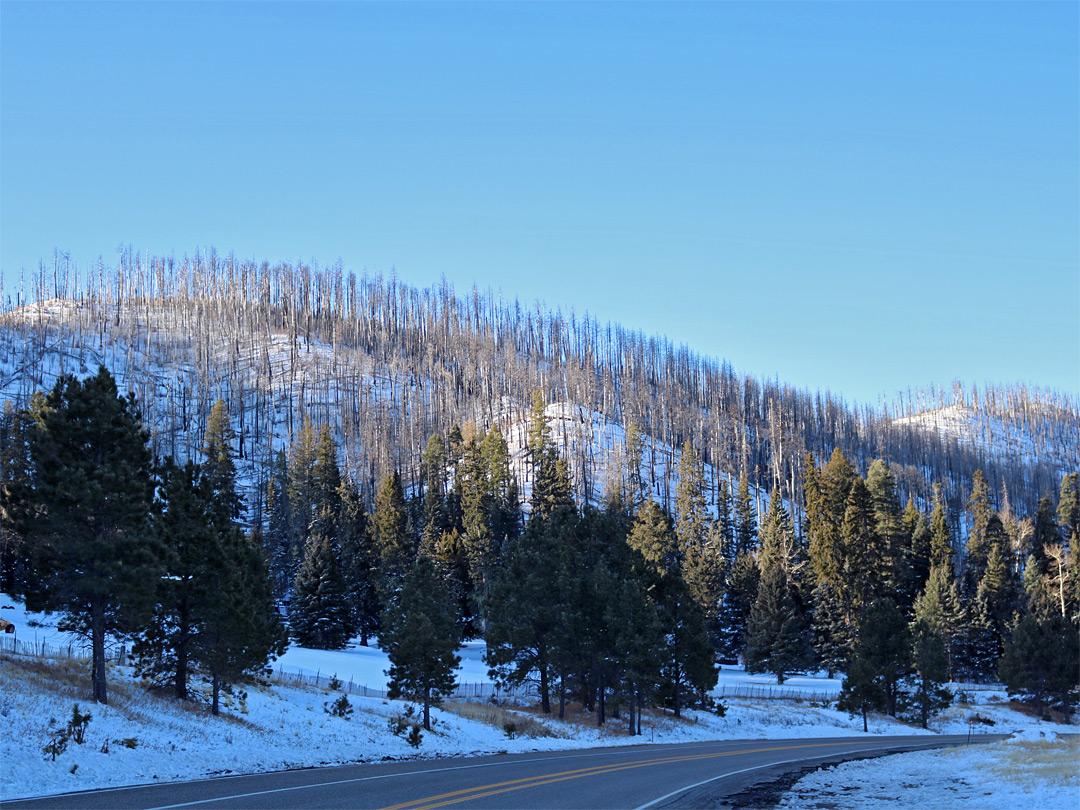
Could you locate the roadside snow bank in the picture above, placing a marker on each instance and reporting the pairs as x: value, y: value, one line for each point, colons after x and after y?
x: 1033, y: 768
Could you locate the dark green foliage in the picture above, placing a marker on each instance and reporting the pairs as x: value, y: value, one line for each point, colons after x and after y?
x: 166, y: 647
x: 916, y: 532
x: 1068, y: 510
x: 880, y: 662
x: 980, y: 513
x: 390, y: 528
x: 926, y: 695
x: 320, y: 615
x: 277, y: 532
x: 95, y: 559
x: 978, y: 647
x: 740, y: 595
x: 688, y: 666
x: 15, y: 475
x: 359, y: 562
x: 833, y: 637
x: 745, y: 519
x: 420, y: 638
x: 526, y: 609
x: 940, y: 607
x: 941, y: 532
x: 1041, y: 661
x: 777, y: 635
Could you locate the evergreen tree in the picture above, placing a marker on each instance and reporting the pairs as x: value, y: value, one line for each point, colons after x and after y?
x: 862, y: 691
x: 320, y: 614
x: 862, y: 550
x: 277, y: 534
x: 883, y: 646
x: 505, y: 516
x: 916, y: 533
x: 979, y: 644
x: 240, y: 630
x: 551, y: 486
x: 930, y: 671
x: 980, y: 512
x: 745, y: 518
x: 777, y: 640
x: 638, y: 489
x: 886, y: 564
x: 390, y: 528
x: 701, y: 557
x: 218, y: 466
x: 689, y: 662
x: 725, y: 524
x: 1041, y: 660
x: 941, y: 533
x: 1069, y: 506
x: 183, y: 526
x: 525, y: 610
x: 94, y: 559
x: 652, y: 536
x: 420, y: 638
x: 998, y: 588
x: 359, y: 562
x: 940, y: 607
x: 833, y: 638
x: 15, y: 475
x: 740, y: 594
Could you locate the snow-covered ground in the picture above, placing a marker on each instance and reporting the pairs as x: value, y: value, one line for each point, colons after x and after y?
x: 144, y: 736
x: 1031, y: 769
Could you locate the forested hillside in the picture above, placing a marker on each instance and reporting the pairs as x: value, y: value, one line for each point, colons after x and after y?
x: 386, y: 366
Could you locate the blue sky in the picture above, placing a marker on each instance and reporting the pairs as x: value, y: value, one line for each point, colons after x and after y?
x: 863, y: 197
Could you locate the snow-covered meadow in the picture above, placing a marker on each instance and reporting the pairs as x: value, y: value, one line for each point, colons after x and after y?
x: 145, y: 736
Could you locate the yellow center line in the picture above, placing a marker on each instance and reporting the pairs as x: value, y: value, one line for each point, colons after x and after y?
x: 495, y: 788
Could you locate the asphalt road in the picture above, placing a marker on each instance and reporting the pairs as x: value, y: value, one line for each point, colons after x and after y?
x: 694, y: 775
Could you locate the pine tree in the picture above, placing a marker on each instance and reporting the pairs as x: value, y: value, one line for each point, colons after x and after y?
x: 745, y: 519
x: 277, y: 534
x: 420, y: 638
x: 637, y: 488
x: 940, y: 607
x: 725, y: 524
x: 94, y: 558
x: 240, y: 631
x: 15, y: 476
x: 777, y: 638
x: 916, y: 533
x: 886, y: 564
x: 320, y: 616
x: 390, y: 528
x: 978, y: 545
x: 359, y: 562
x: 941, y: 532
x: 884, y: 646
x: 740, y: 594
x: 1041, y: 660
x: 930, y: 671
x: 218, y: 466
x: 525, y: 610
x: 701, y: 557
x: 1069, y: 506
x: 689, y: 663
x: 183, y: 526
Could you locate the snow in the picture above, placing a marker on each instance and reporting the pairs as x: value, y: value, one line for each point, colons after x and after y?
x: 278, y: 725
x: 1030, y: 769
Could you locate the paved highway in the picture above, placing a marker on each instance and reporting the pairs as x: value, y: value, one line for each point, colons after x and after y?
x: 629, y: 778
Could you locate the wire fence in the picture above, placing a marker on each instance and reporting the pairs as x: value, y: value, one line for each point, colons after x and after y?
x: 76, y: 650
x: 767, y: 692
x: 462, y: 691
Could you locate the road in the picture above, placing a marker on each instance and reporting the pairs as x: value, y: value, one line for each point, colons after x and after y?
x: 633, y: 777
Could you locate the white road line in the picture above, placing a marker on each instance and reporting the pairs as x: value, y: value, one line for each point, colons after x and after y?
x: 747, y: 770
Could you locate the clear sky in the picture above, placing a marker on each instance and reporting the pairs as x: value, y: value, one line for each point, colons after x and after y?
x: 862, y: 197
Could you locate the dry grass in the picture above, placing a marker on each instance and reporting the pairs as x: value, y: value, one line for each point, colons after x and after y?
x: 499, y: 717
x: 1035, y: 762
x: 69, y: 679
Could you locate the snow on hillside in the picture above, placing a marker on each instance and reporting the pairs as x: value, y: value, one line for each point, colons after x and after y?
x: 1011, y: 434
x: 274, y: 725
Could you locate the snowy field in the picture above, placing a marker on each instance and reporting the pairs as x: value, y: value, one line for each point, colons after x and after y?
x: 144, y: 736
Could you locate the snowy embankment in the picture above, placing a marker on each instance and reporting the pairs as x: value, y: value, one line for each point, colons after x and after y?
x: 144, y: 736
x: 1032, y: 769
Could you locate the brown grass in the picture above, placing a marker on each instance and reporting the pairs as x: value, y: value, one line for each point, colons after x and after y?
x: 499, y: 717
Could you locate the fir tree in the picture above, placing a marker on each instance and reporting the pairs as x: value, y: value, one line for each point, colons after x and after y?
x: 277, y: 534
x: 420, y: 638
x: 15, y: 476
x: 740, y: 594
x: 1041, y: 660
x: 745, y: 519
x: 930, y: 671
x: 320, y: 615
x: 1068, y: 511
x: 883, y: 646
x: 980, y: 512
x: 637, y: 488
x: 218, y: 466
x: 701, y: 557
x: 777, y: 639
x: 916, y: 532
x: 886, y: 563
x: 94, y: 559
x: 359, y: 562
x: 725, y: 524
x: 390, y: 527
x: 940, y: 607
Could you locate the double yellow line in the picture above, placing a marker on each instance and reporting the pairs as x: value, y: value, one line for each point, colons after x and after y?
x: 495, y: 788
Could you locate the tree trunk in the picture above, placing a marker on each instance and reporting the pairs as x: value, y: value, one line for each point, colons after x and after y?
x: 215, y: 706
x: 97, y: 637
x: 545, y: 696
x: 427, y: 705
